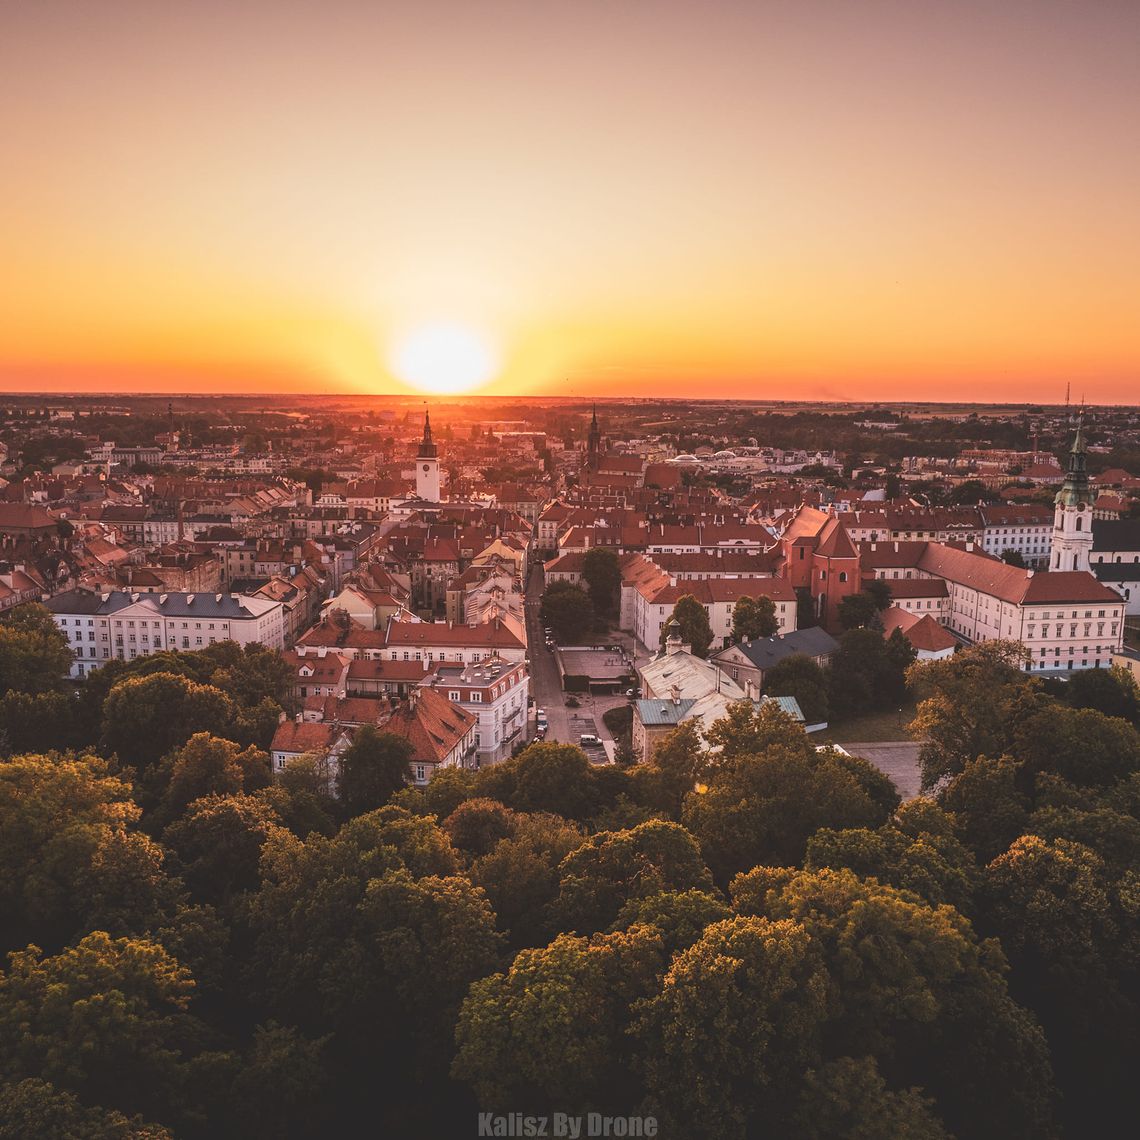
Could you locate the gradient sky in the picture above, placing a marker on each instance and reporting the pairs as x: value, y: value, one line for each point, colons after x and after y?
x: 846, y: 199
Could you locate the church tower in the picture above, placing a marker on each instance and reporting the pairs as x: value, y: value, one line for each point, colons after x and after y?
x: 1072, y: 522
x: 427, y: 465
x: 594, y: 442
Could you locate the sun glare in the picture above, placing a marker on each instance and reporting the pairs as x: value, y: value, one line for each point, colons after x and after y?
x: 444, y: 358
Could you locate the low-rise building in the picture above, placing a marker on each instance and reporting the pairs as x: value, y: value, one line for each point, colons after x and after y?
x: 121, y: 625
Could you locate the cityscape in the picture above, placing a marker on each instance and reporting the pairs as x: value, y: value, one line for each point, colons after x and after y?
x: 570, y: 570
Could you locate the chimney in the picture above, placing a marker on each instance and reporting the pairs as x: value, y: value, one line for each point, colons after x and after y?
x: 675, y: 693
x: 298, y: 718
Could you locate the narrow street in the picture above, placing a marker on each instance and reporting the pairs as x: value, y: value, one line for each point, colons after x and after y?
x: 544, y: 683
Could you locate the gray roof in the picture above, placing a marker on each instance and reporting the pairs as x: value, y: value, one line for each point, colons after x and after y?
x: 1116, y: 571
x: 1116, y: 534
x: 174, y: 604
x: 769, y: 651
x: 664, y: 712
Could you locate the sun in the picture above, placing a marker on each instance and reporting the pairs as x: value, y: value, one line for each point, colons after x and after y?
x: 444, y: 358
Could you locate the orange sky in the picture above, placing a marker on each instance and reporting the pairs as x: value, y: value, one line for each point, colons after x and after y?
x: 887, y: 199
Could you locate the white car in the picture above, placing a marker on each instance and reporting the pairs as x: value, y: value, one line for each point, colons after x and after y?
x: 589, y: 740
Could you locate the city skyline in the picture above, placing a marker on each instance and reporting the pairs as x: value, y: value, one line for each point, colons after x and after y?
x: 824, y: 201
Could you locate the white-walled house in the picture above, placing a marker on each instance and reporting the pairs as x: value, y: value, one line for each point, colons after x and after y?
x: 121, y: 625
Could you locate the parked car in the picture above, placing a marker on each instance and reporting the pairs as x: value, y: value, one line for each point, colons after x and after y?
x: 589, y: 740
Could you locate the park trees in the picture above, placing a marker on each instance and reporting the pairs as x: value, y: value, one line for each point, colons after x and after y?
x: 373, y: 768
x: 602, y: 575
x: 764, y: 806
x: 35, y: 656
x: 754, y: 618
x: 145, y: 717
x: 800, y: 677
x: 568, y: 611
x: 969, y: 705
x: 690, y: 620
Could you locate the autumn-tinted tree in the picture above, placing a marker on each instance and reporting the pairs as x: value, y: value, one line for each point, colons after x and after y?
x: 754, y: 618
x: 373, y: 768
x: 680, y: 916
x: 204, y: 765
x: 602, y: 575
x: 799, y: 676
x: 35, y: 656
x: 568, y: 611
x: 34, y: 1107
x: 690, y: 621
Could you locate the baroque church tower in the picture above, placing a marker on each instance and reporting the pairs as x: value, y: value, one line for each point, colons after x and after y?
x: 427, y: 465
x: 1072, y: 522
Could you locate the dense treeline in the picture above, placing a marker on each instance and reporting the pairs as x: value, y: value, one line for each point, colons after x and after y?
x: 746, y: 937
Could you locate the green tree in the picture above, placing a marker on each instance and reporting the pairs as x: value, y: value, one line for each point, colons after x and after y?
x: 217, y: 843
x: 568, y: 611
x: 987, y: 806
x: 477, y: 826
x: 736, y: 1022
x: 880, y: 590
x: 520, y: 876
x: 1072, y: 945
x: 67, y: 858
x: 612, y: 867
x: 764, y: 807
x: 678, y: 763
x: 545, y: 777
x: 145, y: 717
x: 912, y: 983
x: 39, y: 722
x: 970, y: 702
x: 1082, y: 745
x: 373, y: 768
x: 553, y: 1030
x: 281, y: 1088
x: 800, y: 677
x: 1013, y: 557
x: 35, y: 656
x: 105, y: 1019
x: 602, y: 575
x: 1113, y: 692
x: 859, y: 611
x: 754, y: 618
x: 691, y: 621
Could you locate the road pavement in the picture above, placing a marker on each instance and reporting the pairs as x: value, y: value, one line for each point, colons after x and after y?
x: 544, y: 683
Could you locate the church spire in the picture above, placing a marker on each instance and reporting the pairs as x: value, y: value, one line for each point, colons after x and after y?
x: 428, y: 449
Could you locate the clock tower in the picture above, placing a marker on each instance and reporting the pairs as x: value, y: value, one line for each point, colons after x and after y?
x: 1072, y: 523
x: 427, y: 465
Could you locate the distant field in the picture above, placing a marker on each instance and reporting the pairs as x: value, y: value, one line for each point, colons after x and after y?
x: 880, y: 726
